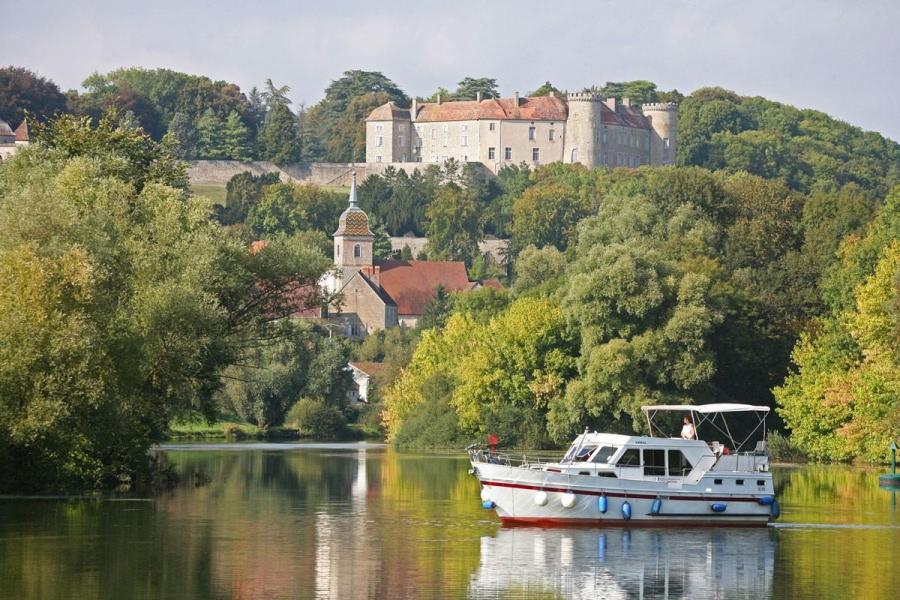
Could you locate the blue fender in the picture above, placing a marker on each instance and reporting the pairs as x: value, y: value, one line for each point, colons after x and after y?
x: 488, y: 504
x: 766, y: 500
x: 656, y: 506
x: 626, y: 510
x: 719, y: 507
x: 776, y: 509
x: 603, y: 503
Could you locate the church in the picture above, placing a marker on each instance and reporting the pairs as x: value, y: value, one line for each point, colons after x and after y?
x: 379, y: 294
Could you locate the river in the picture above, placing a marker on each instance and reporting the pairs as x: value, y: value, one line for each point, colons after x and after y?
x: 363, y: 521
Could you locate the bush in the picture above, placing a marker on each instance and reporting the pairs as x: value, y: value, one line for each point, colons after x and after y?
x: 782, y: 449
x: 434, y: 425
x: 316, y: 419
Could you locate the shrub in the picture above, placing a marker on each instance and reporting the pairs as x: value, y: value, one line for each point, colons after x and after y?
x: 782, y: 449
x: 316, y: 419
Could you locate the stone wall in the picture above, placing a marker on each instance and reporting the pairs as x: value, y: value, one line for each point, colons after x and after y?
x: 496, y: 248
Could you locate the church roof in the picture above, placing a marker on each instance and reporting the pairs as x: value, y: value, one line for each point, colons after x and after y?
x: 412, y: 283
x: 353, y: 221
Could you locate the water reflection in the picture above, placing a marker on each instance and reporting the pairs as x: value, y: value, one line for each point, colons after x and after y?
x: 625, y: 563
x: 360, y: 522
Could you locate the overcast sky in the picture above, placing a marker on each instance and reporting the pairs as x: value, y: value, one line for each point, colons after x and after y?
x: 837, y: 56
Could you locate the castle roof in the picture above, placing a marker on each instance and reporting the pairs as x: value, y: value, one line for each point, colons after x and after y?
x: 353, y: 221
x: 625, y: 116
x: 538, y: 108
x: 412, y: 283
x: 6, y: 133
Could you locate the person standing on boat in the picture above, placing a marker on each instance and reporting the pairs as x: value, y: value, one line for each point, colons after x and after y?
x: 687, y: 431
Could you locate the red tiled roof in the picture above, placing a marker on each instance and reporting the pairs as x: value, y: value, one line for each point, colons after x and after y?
x: 626, y: 116
x: 492, y: 283
x: 541, y: 108
x: 388, y: 112
x: 412, y: 283
x: 22, y: 131
x: 369, y: 368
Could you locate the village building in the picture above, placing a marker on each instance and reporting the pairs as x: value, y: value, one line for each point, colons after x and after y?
x: 379, y: 294
x: 363, y: 373
x: 11, y: 141
x: 579, y: 128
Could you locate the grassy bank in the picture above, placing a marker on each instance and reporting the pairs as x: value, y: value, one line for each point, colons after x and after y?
x: 213, y: 191
x: 233, y: 430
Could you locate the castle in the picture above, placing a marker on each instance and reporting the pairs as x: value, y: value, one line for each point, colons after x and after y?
x: 580, y: 128
x: 11, y: 141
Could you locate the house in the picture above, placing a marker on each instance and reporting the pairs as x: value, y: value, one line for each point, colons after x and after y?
x: 11, y: 141
x: 578, y: 128
x: 379, y: 294
x: 363, y: 372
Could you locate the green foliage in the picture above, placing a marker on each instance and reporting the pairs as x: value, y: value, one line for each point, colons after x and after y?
x: 304, y: 363
x: 279, y: 141
x: 211, y: 136
x: 468, y: 88
x: 242, y: 192
x: 381, y: 244
x: 317, y: 419
x: 122, y: 303
x: 718, y: 129
x: 347, y: 140
x: 235, y: 138
x: 454, y: 224
x: 438, y: 309
x: 546, y: 215
x: 545, y: 90
x: 391, y: 347
x: 184, y: 134
x: 539, y: 271
x: 498, y: 375
x: 287, y: 209
x: 841, y: 400
x: 24, y: 92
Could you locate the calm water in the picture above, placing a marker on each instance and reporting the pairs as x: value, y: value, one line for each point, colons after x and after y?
x: 356, y: 521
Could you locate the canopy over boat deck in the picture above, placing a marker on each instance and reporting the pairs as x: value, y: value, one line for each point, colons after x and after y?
x: 714, y: 415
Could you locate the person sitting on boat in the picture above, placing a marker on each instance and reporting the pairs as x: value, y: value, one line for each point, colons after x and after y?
x: 687, y: 431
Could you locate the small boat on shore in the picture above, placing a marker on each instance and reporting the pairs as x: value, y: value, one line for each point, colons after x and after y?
x: 613, y: 479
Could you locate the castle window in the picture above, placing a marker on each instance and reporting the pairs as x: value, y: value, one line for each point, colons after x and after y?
x: 535, y: 154
x: 463, y: 127
x: 433, y: 133
x: 378, y: 127
x: 357, y: 251
x: 604, y: 135
x: 402, y: 141
x: 492, y: 126
x: 378, y: 158
x: 666, y: 143
x: 464, y: 140
x: 574, y: 155
x: 491, y: 152
x: 507, y: 153
x: 419, y: 129
x: 446, y: 140
x: 552, y: 134
x: 446, y: 128
x: 531, y: 133
x: 379, y: 141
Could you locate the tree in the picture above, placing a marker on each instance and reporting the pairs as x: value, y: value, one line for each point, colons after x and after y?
x: 639, y: 91
x: 273, y: 95
x: 184, y: 133
x: 123, y: 313
x: 468, y: 88
x: 24, y: 92
x: 454, y: 225
x: 438, y: 309
x: 381, y: 247
x: 210, y: 136
x: 546, y: 89
x: 242, y: 192
x: 280, y: 139
x: 539, y: 271
x: 235, y: 138
x: 546, y: 215
x: 347, y: 142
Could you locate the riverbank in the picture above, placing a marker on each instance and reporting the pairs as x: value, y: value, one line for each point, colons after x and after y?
x: 236, y: 431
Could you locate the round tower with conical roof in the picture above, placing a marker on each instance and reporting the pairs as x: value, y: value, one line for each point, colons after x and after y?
x: 353, y: 240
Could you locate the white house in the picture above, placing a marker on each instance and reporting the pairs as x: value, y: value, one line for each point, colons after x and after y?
x: 362, y: 377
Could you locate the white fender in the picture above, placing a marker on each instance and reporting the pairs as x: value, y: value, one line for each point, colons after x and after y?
x: 540, y: 498
x: 568, y: 500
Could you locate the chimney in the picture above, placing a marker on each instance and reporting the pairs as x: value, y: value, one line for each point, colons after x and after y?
x: 414, y: 109
x: 626, y: 102
x: 439, y: 98
x: 516, y: 99
x: 478, y: 96
x: 552, y: 93
x: 611, y: 103
x: 376, y: 275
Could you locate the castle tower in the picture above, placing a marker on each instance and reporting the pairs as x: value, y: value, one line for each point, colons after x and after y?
x: 663, y: 117
x: 353, y: 239
x: 582, y: 127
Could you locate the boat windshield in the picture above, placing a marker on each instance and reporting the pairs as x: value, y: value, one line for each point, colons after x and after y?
x: 579, y: 453
x: 604, y: 454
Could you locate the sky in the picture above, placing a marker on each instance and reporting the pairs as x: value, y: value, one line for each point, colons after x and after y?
x: 836, y: 56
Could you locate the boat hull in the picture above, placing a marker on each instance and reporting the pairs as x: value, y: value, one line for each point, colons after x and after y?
x: 533, y: 497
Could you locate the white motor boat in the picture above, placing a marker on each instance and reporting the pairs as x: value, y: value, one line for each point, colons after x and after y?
x: 612, y: 479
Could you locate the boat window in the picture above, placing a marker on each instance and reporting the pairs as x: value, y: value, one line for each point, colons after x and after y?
x: 679, y: 465
x: 717, y: 481
x: 740, y: 482
x: 654, y: 462
x: 760, y: 482
x: 630, y: 458
x: 584, y: 453
x: 604, y: 454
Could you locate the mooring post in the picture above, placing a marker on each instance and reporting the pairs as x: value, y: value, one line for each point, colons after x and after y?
x: 893, y: 448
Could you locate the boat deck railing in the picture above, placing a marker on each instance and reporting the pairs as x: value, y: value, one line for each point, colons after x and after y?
x: 482, y: 454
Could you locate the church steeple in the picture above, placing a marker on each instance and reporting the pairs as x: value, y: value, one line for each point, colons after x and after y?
x: 353, y: 239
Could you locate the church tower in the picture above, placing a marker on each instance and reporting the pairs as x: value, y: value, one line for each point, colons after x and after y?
x: 353, y: 239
